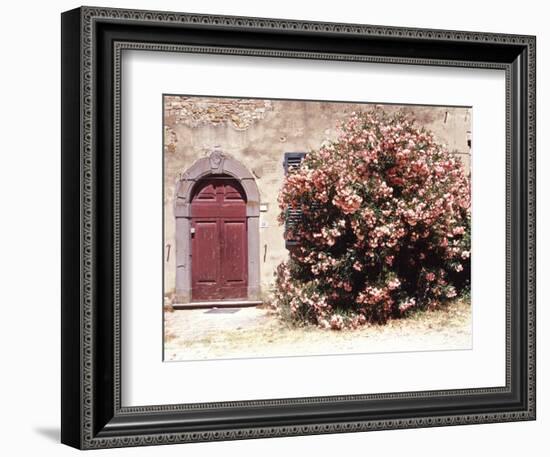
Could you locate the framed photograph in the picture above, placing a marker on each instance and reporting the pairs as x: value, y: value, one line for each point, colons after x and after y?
x: 274, y: 227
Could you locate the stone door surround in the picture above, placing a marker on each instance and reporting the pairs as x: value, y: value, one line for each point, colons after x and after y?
x: 216, y: 163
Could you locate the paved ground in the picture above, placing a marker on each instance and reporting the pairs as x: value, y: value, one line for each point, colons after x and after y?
x: 256, y: 332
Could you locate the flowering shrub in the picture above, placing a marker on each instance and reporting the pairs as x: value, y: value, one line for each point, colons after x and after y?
x: 385, y: 226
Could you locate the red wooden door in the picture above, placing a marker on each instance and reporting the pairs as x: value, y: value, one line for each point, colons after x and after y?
x: 219, y: 240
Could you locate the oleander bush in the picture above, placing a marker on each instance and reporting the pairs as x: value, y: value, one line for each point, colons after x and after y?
x: 384, y: 227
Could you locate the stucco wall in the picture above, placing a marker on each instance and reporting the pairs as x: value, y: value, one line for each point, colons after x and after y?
x: 258, y: 133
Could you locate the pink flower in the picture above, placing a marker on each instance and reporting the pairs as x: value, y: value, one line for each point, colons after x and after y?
x: 394, y: 284
x: 451, y: 292
x: 406, y: 305
x: 323, y: 323
x: 336, y: 322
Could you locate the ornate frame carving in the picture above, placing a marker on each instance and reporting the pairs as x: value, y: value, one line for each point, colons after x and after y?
x: 92, y: 414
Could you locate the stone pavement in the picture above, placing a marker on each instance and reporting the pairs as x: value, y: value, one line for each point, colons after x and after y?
x: 255, y: 332
x: 201, y: 323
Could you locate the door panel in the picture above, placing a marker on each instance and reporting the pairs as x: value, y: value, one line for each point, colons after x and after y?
x: 219, y: 243
x: 234, y: 263
x: 206, y: 250
x: 206, y: 259
x: 234, y: 251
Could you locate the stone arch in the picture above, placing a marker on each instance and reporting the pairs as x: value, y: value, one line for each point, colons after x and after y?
x: 217, y: 163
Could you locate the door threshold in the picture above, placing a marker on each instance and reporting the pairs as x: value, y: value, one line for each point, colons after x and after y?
x: 217, y: 304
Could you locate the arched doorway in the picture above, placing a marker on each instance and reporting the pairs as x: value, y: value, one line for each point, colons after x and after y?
x: 242, y: 189
x: 219, y: 247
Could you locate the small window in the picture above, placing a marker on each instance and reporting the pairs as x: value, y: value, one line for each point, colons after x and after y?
x: 292, y: 161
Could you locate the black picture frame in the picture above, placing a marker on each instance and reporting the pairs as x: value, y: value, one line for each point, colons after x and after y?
x: 92, y: 414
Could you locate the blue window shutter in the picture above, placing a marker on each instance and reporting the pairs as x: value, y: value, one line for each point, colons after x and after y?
x: 292, y: 160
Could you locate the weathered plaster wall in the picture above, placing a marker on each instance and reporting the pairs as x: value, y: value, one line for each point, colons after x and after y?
x: 258, y: 133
